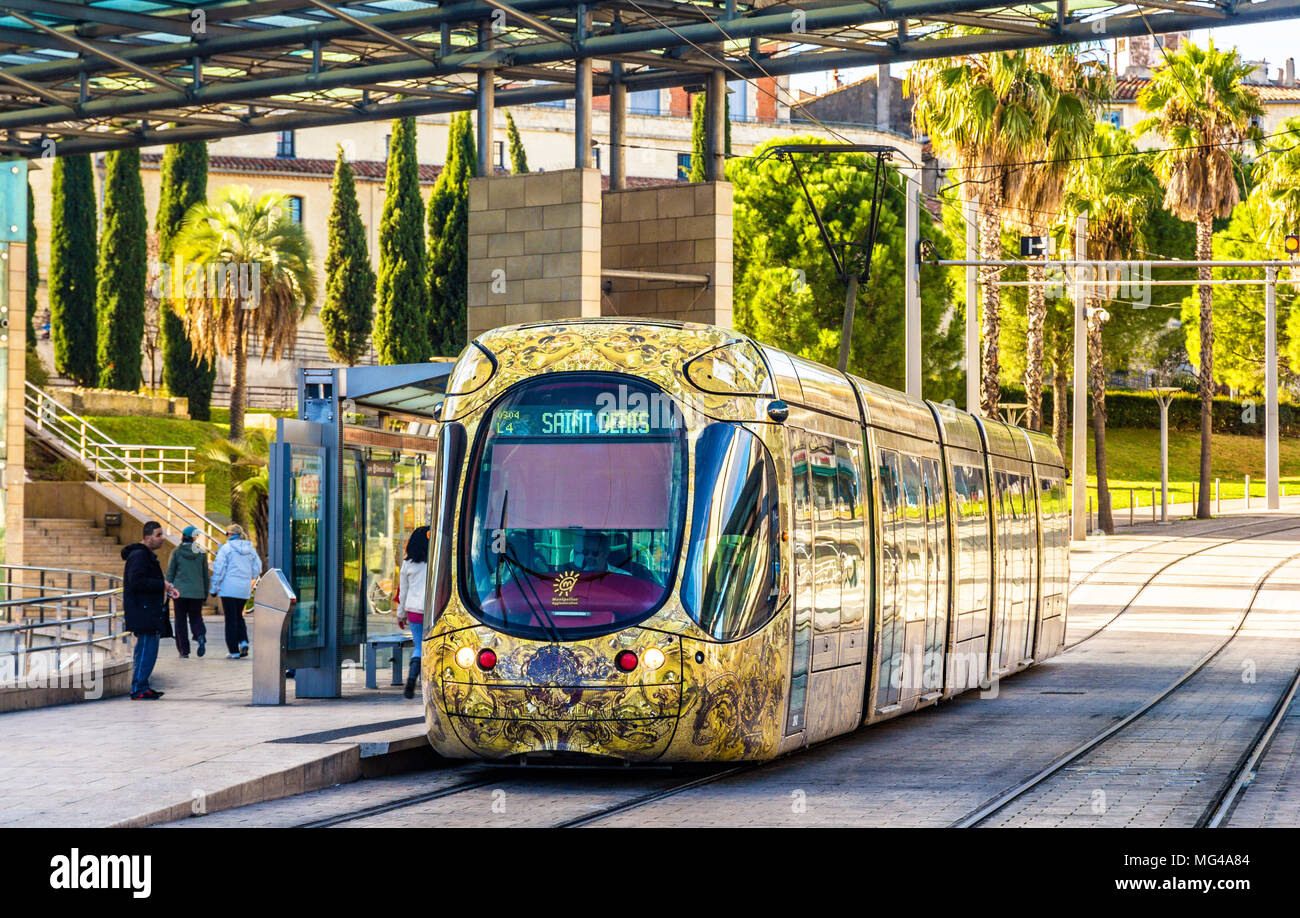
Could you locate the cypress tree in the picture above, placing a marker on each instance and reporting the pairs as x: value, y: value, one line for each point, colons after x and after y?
x: 184, y: 183
x: 73, y: 228
x: 699, y: 136
x: 518, y: 158
x: 401, y: 315
x: 349, y: 281
x: 122, y: 272
x: 448, y: 276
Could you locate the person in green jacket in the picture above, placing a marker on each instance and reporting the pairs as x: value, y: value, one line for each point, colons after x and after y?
x: 188, y: 572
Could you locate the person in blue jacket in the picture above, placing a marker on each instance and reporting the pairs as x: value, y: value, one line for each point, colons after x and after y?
x: 234, y: 572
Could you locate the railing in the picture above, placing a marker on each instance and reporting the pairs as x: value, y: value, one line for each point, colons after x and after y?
x: 124, y: 468
x: 57, y: 619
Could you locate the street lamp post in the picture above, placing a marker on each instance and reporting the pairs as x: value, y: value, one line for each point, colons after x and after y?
x: 1164, y: 395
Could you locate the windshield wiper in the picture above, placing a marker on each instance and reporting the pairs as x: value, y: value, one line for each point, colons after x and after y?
x: 539, y: 611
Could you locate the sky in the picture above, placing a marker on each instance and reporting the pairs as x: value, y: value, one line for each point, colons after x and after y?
x: 1273, y: 42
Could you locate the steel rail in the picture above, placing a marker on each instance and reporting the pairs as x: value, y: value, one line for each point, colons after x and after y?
x: 404, y: 802
x: 1160, y: 571
x: 1243, y: 773
x: 1001, y: 801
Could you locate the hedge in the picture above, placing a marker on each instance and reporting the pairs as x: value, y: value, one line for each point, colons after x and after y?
x: 1127, y: 408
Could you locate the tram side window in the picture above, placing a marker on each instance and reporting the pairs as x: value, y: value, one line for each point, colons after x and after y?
x: 732, y: 576
x: 936, y: 539
x: 849, y: 505
x: 975, y: 522
x: 916, y: 564
x: 892, y: 553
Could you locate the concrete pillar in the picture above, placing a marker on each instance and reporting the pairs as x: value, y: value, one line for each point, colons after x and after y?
x: 582, y: 115
x: 15, y: 282
x: 1079, y: 441
x: 617, y: 128
x: 534, y: 248
x: 912, y: 285
x: 884, y: 96
x: 972, y: 308
x: 675, y: 229
x: 715, y: 126
x: 486, y: 104
x: 1272, y: 496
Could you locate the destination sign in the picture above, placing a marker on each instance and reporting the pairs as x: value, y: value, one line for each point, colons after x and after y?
x: 534, y: 421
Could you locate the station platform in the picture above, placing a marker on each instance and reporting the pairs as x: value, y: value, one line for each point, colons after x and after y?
x: 203, y: 749
x: 200, y: 749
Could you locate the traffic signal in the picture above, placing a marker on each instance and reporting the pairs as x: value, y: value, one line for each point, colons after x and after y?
x: 1292, y: 245
x: 1033, y: 246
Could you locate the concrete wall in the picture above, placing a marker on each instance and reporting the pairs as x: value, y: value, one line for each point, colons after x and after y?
x: 534, y: 248
x: 14, y: 338
x: 678, y: 229
x: 110, y: 402
x: 77, y: 500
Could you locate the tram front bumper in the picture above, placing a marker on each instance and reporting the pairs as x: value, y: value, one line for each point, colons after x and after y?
x: 553, y: 698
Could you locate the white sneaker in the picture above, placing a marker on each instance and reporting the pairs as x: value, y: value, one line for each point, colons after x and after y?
x: 232, y: 656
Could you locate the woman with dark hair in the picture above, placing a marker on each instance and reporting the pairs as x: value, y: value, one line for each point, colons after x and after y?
x: 410, y: 598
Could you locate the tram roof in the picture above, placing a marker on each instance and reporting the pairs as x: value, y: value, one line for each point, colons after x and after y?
x: 79, y: 76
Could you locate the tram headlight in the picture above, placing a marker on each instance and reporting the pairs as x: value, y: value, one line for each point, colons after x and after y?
x: 465, y: 657
x: 625, y: 661
x: 653, y: 658
x: 487, y: 658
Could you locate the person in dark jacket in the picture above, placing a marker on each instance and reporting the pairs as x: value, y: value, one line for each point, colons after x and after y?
x: 144, y: 604
x: 187, y: 570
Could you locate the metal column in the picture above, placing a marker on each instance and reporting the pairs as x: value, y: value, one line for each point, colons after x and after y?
x: 972, y: 309
x: 1273, y: 499
x: 617, y: 128
x: 582, y: 98
x: 1079, y: 450
x: 486, y: 104
x: 715, y: 127
x: 912, y: 286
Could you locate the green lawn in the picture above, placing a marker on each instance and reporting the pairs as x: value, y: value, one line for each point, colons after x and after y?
x: 176, y: 432
x: 1133, y: 461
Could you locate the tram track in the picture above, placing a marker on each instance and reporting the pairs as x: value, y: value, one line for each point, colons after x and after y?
x: 1229, y: 793
x: 1160, y: 570
x: 1238, y: 776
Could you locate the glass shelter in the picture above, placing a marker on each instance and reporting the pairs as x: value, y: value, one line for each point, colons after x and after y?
x: 347, y: 489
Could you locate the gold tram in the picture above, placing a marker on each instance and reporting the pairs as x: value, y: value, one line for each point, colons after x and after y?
x: 666, y: 542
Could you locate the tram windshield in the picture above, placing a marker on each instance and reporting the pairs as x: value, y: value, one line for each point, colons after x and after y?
x: 577, y: 503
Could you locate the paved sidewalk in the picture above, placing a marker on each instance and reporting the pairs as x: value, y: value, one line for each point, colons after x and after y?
x: 201, y: 748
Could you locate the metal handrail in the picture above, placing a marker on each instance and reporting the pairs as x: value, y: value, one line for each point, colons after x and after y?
x: 80, y: 602
x: 152, y: 496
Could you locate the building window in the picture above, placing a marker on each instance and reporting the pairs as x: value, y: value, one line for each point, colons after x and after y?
x: 645, y: 102
x: 738, y: 100
x: 499, y: 156
x: 295, y: 208
x: 388, y: 138
x: 1114, y: 119
x: 284, y: 144
x: 683, y: 167
x: 595, y: 157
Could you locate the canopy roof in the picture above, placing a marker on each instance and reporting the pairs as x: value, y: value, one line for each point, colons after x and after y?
x: 94, y: 75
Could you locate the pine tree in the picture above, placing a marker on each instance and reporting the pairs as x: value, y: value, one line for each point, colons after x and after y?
x: 518, y: 157
x: 349, y: 281
x: 401, y: 317
x: 122, y: 272
x: 448, y: 275
x: 184, y: 183
x: 73, y: 228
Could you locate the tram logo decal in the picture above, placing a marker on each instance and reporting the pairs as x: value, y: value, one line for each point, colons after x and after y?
x: 562, y: 591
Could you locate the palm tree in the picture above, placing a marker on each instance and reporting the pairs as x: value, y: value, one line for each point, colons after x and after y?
x: 1277, y: 177
x: 1078, y: 87
x: 255, y: 268
x: 989, y: 114
x: 1116, y: 191
x: 245, y: 462
x: 1201, y: 109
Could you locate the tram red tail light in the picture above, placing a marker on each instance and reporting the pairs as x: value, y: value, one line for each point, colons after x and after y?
x: 487, y: 658
x: 626, y: 661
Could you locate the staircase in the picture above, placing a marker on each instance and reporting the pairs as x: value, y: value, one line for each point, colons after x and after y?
x: 133, y: 477
x: 64, y: 543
